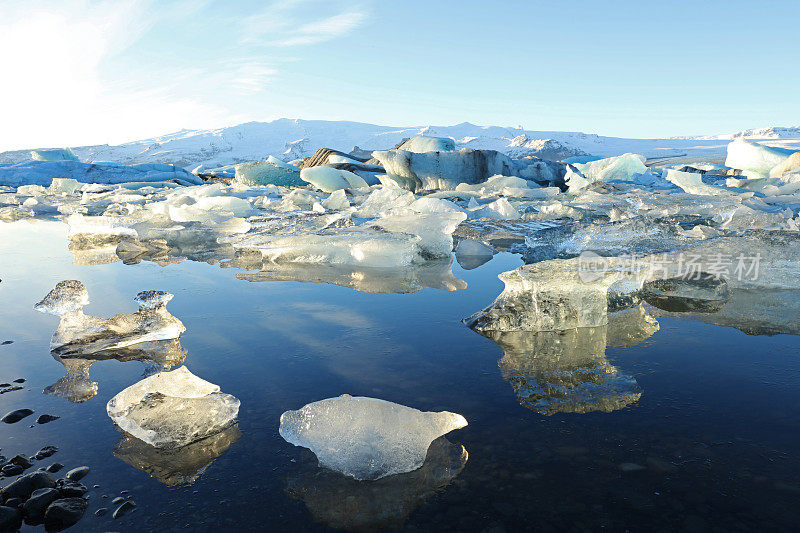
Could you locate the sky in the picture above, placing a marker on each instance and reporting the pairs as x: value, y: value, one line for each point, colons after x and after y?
x: 79, y: 72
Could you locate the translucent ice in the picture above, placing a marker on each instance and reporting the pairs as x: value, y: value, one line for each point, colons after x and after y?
x: 152, y: 322
x: 173, y: 409
x: 622, y: 168
x: 557, y: 295
x: 271, y: 171
x: 63, y: 186
x: 366, y: 438
x: 434, y: 230
x: 692, y: 183
x: 329, y: 179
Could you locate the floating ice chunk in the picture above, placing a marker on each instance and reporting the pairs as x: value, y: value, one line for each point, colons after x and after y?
x: 494, y: 185
x: 173, y: 409
x: 435, y: 231
x: 329, y: 179
x: 66, y: 296
x: 384, y: 199
x: 334, y: 158
x: 472, y: 254
x: 336, y: 201
x: 620, y: 168
x: 213, y: 208
x: 272, y: 171
x: 692, y: 183
x: 55, y: 154
x: 430, y: 205
x: 152, y: 322
x: 422, y: 143
x: 757, y: 159
x: 557, y: 295
x: 366, y: 438
x: 499, y: 209
x: 63, y: 186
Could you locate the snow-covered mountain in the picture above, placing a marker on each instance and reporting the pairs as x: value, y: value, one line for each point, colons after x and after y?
x: 291, y: 139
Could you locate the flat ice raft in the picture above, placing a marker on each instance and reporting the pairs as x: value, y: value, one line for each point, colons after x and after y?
x: 366, y: 438
x: 43, y: 172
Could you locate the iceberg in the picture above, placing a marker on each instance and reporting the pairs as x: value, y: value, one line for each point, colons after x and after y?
x: 558, y: 294
x: 756, y: 160
x: 76, y: 385
x: 272, y: 171
x: 789, y: 165
x: 173, y: 409
x: 366, y: 438
x: 471, y: 254
x: 692, y: 183
x: 443, y: 170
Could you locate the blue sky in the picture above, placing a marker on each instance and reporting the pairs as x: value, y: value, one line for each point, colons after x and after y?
x: 89, y: 71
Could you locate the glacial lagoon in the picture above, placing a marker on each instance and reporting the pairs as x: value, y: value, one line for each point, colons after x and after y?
x: 661, y: 419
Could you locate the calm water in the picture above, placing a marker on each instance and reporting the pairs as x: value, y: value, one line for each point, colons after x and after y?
x: 712, y: 441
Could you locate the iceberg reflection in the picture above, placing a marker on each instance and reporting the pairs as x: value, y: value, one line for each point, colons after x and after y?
x: 343, y: 503
x: 567, y: 371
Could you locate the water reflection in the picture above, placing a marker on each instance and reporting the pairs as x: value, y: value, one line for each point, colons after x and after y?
x: 175, y: 466
x: 435, y: 274
x: 76, y: 386
x: 567, y: 371
x: 343, y: 503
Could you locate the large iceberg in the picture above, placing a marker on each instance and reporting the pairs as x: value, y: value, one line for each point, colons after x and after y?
x: 173, y: 409
x: 366, y: 438
x: 756, y: 160
x: 443, y: 170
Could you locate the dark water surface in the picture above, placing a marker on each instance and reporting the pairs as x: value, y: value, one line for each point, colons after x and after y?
x: 712, y: 444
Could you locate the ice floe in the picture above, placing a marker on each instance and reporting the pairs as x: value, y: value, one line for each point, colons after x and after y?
x: 173, y: 409
x: 366, y: 438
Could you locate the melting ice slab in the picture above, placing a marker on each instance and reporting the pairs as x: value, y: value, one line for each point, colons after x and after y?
x: 173, y: 409
x: 366, y: 438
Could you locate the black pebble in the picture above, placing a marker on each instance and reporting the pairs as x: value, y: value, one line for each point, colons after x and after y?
x: 44, y: 419
x: 14, y: 502
x: 100, y: 512
x: 124, y: 508
x: 6, y: 342
x: 47, y: 451
x: 76, y: 474
x: 55, y: 467
x: 118, y: 499
x: 12, y: 470
x: 20, y: 380
x: 16, y: 416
